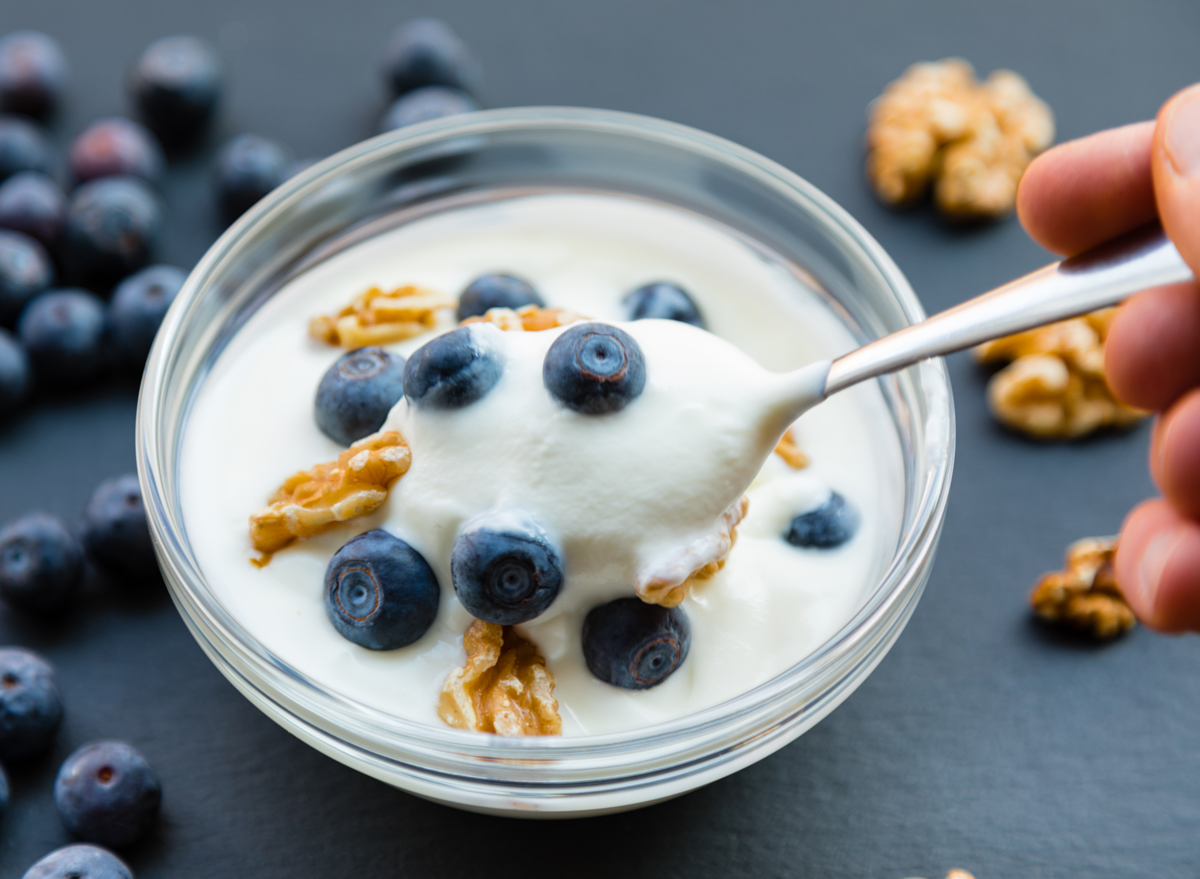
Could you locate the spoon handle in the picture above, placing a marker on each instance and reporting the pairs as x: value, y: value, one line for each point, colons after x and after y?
x: 1096, y: 278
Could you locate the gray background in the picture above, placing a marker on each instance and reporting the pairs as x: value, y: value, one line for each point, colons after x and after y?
x: 982, y: 741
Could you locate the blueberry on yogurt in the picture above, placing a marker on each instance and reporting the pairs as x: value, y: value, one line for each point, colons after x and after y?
x: 379, y: 592
x: 108, y: 794
x: 496, y: 291
x: 356, y: 394
x: 31, y: 706
x: 827, y: 527
x: 79, y: 861
x: 594, y: 368
x: 634, y: 645
x: 505, y: 569
x: 452, y: 370
x: 663, y: 300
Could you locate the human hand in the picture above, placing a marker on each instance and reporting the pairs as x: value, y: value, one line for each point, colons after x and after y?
x: 1086, y: 191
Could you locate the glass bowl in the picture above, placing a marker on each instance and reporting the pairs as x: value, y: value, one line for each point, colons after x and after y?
x: 392, y: 178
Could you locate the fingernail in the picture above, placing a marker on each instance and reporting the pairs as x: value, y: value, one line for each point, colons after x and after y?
x: 1154, y: 559
x: 1182, y: 137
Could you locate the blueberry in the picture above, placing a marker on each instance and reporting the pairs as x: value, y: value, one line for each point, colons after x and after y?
x: 25, y: 271
x: 14, y: 373
x: 138, y: 306
x: 247, y: 168
x: 379, y: 592
x: 452, y: 370
x: 594, y: 368
x: 33, y: 71
x: 41, y: 563
x: 426, y: 51
x: 114, y: 226
x: 3, y: 792
x: 32, y: 203
x: 663, y: 300
x: 31, y: 706
x: 175, y: 86
x: 496, y: 291
x: 357, y: 393
x: 79, y: 861
x: 504, y: 568
x: 107, y: 793
x: 63, y: 332
x: 634, y: 645
x: 23, y: 147
x: 425, y: 103
x: 115, y: 148
x: 828, y: 526
x: 115, y: 534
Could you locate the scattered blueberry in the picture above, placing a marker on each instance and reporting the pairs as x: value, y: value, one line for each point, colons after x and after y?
x: 25, y: 271
x: 496, y: 291
x: 138, y: 306
x: 828, y: 526
x: 452, y: 370
x: 357, y: 393
x: 114, y: 227
x: 426, y: 51
x: 14, y: 373
x: 594, y: 368
x: 114, y: 532
x: 41, y: 564
x: 425, y: 103
x: 107, y: 793
x: 63, y: 334
x: 634, y: 645
x: 115, y: 147
x: 30, y: 704
x: 23, y: 147
x: 79, y: 862
x: 663, y: 300
x: 504, y: 569
x: 33, y: 71
x: 379, y: 592
x: 32, y: 203
x: 3, y: 792
x: 248, y: 167
x: 175, y: 86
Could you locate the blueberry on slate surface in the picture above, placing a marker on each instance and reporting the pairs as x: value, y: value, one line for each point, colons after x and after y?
x: 828, y: 526
x: 33, y: 71
x: 3, y: 792
x: 357, y: 393
x: 425, y: 103
x: 634, y: 645
x: 175, y: 86
x: 452, y: 370
x: 426, y: 51
x: 379, y: 592
x: 63, y: 333
x: 41, y: 564
x: 114, y: 532
x: 32, y: 203
x: 25, y: 271
x: 247, y: 168
x: 505, y: 569
x: 138, y: 306
x: 107, y: 793
x: 496, y: 291
x: 114, y: 226
x: 115, y: 147
x: 23, y: 147
x: 31, y: 707
x: 663, y: 300
x: 594, y: 368
x: 15, y: 375
x: 79, y: 861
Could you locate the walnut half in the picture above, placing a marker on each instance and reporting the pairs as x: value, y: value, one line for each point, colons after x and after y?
x: 377, y: 317
x: 1085, y: 595
x: 530, y: 318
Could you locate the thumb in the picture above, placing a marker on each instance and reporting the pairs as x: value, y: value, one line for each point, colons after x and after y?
x: 1175, y: 163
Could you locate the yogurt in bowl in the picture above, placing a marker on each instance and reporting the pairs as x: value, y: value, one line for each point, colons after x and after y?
x: 587, y: 207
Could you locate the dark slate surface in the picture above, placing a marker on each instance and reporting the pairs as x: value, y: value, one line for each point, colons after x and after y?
x: 982, y: 741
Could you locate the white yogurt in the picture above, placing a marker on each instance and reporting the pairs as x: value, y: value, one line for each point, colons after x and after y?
x: 642, y: 482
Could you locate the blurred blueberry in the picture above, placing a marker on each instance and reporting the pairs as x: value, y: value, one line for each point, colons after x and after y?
x: 25, y: 271
x: 175, y: 86
x: 138, y: 306
x: 496, y: 291
x: 426, y: 51
x: 3, y: 792
x: 63, y: 334
x: 247, y: 168
x: 79, y: 861
x: 828, y: 526
x: 31, y: 706
x: 665, y: 301
x: 15, y: 375
x: 32, y: 203
x: 114, y: 227
x: 41, y: 564
x: 425, y: 103
x: 107, y: 793
x: 23, y: 147
x: 115, y: 534
x: 33, y: 71
x: 115, y: 147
